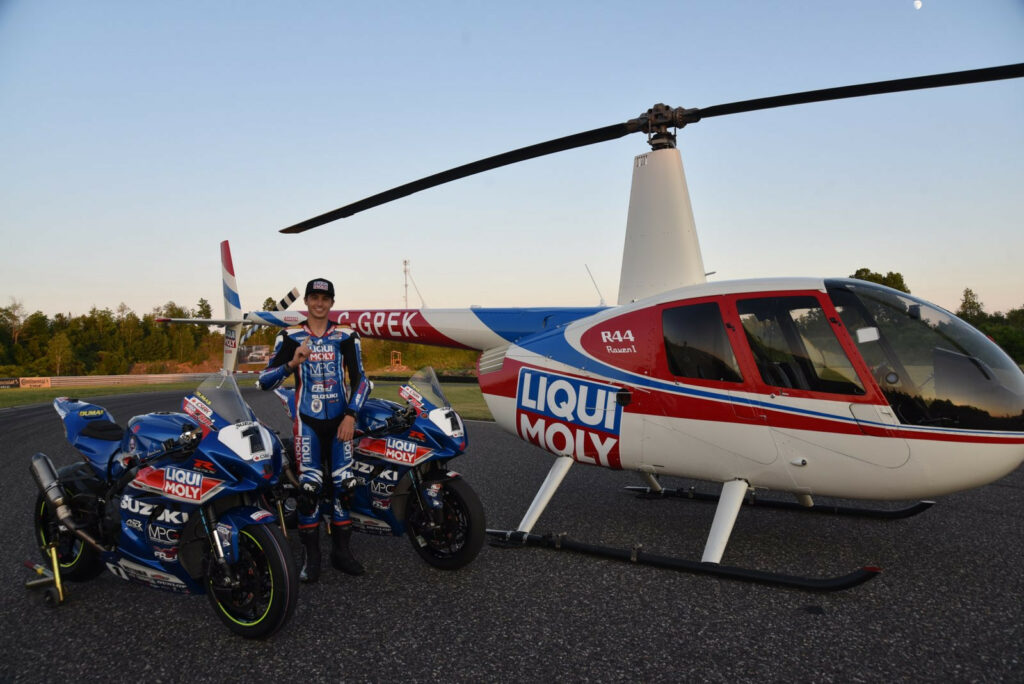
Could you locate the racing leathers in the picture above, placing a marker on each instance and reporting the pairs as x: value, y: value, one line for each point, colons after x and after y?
x: 322, y: 399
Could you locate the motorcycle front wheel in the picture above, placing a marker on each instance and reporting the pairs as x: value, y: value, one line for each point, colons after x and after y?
x: 267, y: 588
x: 450, y: 537
x: 78, y: 561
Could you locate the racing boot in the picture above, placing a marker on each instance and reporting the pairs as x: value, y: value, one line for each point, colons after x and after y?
x: 311, y: 554
x: 341, y: 555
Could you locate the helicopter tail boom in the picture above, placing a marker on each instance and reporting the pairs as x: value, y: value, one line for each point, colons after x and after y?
x: 473, y: 328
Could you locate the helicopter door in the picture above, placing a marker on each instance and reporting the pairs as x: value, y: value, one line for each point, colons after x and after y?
x: 714, y: 415
x: 797, y: 346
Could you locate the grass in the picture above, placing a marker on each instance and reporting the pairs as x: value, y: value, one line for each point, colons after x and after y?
x: 466, y: 398
x: 22, y: 397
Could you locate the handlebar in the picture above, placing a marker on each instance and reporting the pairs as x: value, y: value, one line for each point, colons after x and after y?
x: 398, y: 422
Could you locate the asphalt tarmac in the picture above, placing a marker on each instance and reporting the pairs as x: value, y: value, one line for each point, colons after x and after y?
x: 949, y: 604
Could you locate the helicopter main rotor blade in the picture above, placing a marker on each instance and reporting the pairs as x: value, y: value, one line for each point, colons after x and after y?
x: 660, y: 118
x: 522, y: 154
x: 864, y: 89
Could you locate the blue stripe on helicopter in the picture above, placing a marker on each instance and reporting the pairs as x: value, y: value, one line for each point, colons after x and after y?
x: 515, y: 324
x: 270, y: 317
x: 231, y: 297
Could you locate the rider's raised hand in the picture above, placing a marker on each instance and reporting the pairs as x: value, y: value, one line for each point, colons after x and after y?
x: 302, y: 353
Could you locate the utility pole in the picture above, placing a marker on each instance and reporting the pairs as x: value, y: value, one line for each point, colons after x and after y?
x: 405, y: 274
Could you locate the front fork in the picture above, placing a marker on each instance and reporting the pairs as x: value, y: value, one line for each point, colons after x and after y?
x: 428, y: 497
x: 209, y: 522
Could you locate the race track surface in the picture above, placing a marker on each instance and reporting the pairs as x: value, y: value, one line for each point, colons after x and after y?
x: 948, y: 605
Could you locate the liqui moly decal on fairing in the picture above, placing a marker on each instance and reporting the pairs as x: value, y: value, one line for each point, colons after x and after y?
x: 569, y: 416
x: 394, y: 449
x: 178, y: 483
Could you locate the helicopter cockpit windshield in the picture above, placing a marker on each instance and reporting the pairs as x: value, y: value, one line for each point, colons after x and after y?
x: 933, y: 368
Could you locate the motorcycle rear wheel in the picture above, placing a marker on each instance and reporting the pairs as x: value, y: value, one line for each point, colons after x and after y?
x: 459, y: 537
x: 78, y: 561
x: 268, y: 586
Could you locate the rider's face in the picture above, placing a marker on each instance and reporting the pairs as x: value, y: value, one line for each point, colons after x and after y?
x: 318, y: 305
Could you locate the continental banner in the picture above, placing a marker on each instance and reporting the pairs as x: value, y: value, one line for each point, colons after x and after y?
x: 35, y: 383
x: 9, y: 383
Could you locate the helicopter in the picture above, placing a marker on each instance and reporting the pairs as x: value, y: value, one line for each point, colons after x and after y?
x: 813, y: 387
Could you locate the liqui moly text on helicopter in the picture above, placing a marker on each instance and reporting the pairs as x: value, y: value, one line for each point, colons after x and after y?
x: 569, y: 416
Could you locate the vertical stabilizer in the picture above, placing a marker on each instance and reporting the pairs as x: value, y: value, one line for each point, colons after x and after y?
x: 661, y: 250
x: 232, y: 308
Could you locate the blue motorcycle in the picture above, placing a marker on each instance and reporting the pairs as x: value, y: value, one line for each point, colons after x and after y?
x: 172, y: 502
x: 403, y: 485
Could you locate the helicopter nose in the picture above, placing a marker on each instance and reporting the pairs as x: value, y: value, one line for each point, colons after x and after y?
x: 949, y: 467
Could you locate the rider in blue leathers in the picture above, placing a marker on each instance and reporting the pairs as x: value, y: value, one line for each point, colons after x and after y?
x: 330, y: 388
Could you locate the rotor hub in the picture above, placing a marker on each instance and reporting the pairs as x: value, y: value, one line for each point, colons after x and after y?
x: 657, y: 121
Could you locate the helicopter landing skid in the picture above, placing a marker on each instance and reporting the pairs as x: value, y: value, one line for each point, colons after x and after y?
x: 751, y: 500
x: 516, y: 538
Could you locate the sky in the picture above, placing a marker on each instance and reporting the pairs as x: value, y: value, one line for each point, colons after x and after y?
x: 135, y: 136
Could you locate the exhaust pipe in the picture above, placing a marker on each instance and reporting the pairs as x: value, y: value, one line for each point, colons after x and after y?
x: 46, y: 479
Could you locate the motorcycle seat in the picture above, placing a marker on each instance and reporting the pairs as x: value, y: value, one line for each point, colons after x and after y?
x: 107, y: 430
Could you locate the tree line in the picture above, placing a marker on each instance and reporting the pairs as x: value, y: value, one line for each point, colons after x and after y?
x: 1006, y: 329
x: 102, y: 342
x: 105, y: 342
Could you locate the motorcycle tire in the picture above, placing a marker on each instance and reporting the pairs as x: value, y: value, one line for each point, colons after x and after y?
x: 78, y: 561
x: 461, y: 535
x: 268, y: 590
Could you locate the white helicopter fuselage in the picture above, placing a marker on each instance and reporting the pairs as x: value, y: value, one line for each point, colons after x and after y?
x: 596, y: 386
x: 782, y: 438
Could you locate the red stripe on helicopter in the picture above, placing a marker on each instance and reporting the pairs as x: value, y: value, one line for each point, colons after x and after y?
x: 658, y: 402
x: 225, y: 257
x: 405, y: 325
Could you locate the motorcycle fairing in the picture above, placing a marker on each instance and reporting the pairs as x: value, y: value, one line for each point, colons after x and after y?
x: 144, y: 573
x: 154, y: 535
x: 91, y: 430
x: 230, y: 524
x: 148, y: 434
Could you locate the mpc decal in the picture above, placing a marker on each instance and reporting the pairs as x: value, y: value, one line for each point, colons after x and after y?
x: 569, y: 416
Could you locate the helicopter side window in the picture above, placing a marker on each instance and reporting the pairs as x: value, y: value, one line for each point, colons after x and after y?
x: 696, y: 344
x: 795, y: 347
